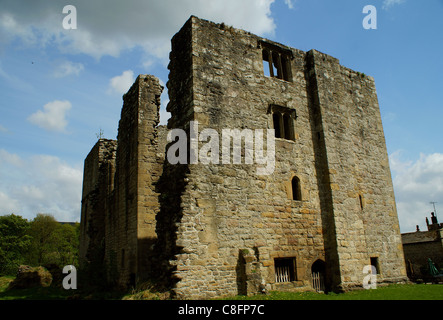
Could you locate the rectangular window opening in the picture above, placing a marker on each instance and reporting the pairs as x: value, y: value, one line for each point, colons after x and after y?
x: 285, y: 270
x: 266, y: 69
x: 276, y: 120
x: 276, y: 62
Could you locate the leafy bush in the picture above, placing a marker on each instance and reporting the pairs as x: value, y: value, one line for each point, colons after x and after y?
x: 14, y: 241
x: 52, y: 243
x: 41, y: 242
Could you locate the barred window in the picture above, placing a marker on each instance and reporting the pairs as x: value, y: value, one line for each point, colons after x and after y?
x: 285, y: 269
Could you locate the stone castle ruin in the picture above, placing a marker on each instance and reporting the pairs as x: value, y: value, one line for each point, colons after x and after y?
x: 205, y: 230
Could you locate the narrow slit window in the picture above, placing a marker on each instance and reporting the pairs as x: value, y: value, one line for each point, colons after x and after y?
x: 266, y: 68
x: 277, y: 127
x: 296, y: 190
x: 360, y: 201
x: 288, y: 127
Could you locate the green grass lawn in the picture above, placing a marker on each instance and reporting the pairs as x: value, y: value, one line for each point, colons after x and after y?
x: 392, y: 292
x: 52, y: 293
x: 49, y: 293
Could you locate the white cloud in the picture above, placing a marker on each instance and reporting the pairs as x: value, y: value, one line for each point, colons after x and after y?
x: 8, y: 205
x: 53, y: 116
x: 106, y: 27
x: 67, y: 68
x: 164, y: 115
x: 122, y: 83
x: 390, y: 3
x: 290, y: 4
x: 9, y: 158
x: 147, y: 63
x: 416, y: 184
x: 39, y: 184
x: 11, y: 28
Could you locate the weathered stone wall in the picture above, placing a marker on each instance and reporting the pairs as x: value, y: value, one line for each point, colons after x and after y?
x: 172, y: 183
x: 130, y: 225
x: 364, y: 211
x: 120, y: 202
x: 98, y: 183
x: 226, y: 208
x: 151, y: 146
x: 207, y: 230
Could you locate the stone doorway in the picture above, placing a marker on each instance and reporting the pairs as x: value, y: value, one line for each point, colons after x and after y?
x: 318, y: 275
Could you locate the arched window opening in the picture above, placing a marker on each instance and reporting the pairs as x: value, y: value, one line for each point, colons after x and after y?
x: 296, y: 189
x: 283, y: 120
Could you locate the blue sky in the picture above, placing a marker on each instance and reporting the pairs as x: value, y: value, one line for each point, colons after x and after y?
x: 60, y: 87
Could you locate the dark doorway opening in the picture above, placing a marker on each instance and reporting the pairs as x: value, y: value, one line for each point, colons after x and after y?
x: 318, y: 275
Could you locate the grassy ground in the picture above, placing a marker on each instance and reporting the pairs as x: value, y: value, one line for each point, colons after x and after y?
x: 52, y: 293
x: 392, y: 292
x: 28, y: 294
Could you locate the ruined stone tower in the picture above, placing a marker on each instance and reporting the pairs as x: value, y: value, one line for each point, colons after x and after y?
x: 214, y: 229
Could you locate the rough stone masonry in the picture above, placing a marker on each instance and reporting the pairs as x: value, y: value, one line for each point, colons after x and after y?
x: 210, y: 230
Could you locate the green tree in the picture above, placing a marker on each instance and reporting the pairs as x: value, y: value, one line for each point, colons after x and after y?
x: 43, y: 235
x: 67, y: 244
x: 14, y: 242
x: 53, y: 243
